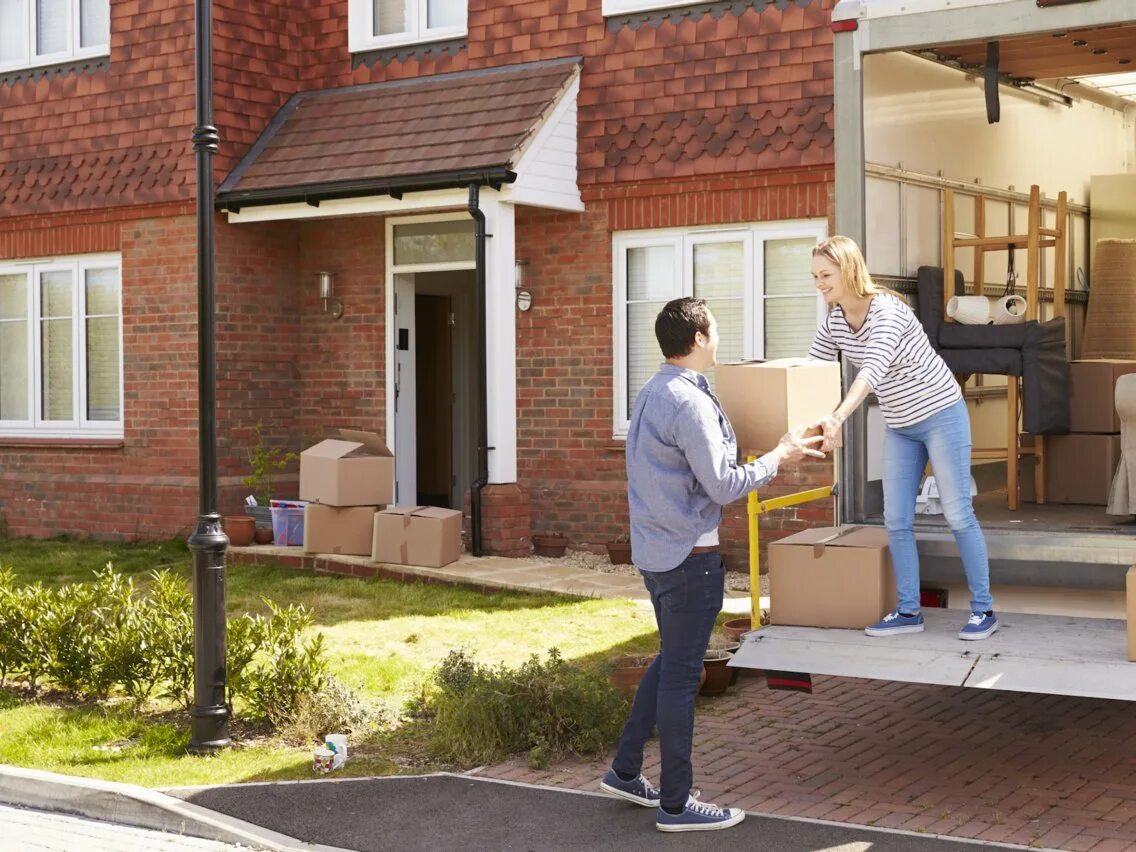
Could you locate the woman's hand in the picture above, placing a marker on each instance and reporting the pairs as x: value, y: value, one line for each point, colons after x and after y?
x: 799, y: 443
x: 830, y: 428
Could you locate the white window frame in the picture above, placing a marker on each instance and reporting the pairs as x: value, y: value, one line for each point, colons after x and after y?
x: 361, y: 26
x: 623, y: 7
x: 79, y: 426
x: 74, y: 48
x: 753, y: 236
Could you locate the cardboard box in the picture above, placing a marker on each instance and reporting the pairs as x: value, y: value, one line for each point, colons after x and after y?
x: 831, y: 577
x: 1078, y: 469
x: 344, y: 530
x: 417, y: 535
x: 355, y: 470
x: 765, y: 399
x: 1092, y: 389
x: 1130, y: 582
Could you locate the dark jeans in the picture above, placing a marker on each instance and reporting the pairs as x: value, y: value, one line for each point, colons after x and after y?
x: 687, y: 600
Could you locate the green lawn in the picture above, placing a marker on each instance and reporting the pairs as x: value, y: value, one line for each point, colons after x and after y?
x: 383, y: 638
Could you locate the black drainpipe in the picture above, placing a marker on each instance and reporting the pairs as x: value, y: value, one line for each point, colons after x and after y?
x: 482, y: 379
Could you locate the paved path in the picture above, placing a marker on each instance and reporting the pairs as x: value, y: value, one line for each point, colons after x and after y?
x: 35, y: 831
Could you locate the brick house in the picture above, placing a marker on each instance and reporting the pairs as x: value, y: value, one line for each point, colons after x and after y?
x: 624, y: 152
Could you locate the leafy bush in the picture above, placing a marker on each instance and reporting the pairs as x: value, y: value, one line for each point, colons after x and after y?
x: 547, y: 708
x: 335, y: 708
x: 106, y: 638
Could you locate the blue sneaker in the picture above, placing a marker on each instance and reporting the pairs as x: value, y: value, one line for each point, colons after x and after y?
x: 637, y: 790
x: 698, y: 816
x: 893, y: 624
x: 980, y: 625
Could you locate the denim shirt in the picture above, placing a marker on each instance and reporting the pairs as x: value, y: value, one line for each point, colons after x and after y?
x: 682, y: 467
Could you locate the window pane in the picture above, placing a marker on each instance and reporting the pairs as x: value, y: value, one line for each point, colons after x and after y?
x: 445, y: 13
x: 434, y: 242
x: 652, y: 273
x: 730, y: 314
x: 391, y: 17
x: 56, y: 333
x: 791, y: 303
x: 102, y: 368
x: 51, y: 26
x: 94, y: 23
x: 719, y: 270
x: 13, y: 30
x: 56, y: 365
x: 13, y: 347
x: 101, y: 292
x: 643, y: 353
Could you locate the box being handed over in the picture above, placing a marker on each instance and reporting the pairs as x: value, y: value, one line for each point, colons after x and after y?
x: 417, y: 535
x: 765, y: 399
x: 831, y: 577
x: 355, y: 470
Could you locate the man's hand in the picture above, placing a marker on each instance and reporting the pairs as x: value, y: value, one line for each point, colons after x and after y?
x: 830, y: 428
x: 801, y: 442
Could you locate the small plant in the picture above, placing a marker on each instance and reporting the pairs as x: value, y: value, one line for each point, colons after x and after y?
x: 266, y: 462
x: 546, y: 708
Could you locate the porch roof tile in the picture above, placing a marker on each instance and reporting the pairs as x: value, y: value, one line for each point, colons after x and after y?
x: 400, y: 129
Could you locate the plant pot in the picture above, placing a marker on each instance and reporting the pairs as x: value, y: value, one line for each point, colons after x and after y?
x: 261, y: 514
x: 239, y: 529
x: 549, y: 544
x: 262, y: 535
x: 628, y: 671
x: 619, y: 552
x: 733, y: 631
x: 719, y: 675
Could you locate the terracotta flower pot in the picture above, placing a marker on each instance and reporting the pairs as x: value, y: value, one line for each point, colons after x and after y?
x: 628, y: 671
x: 733, y: 631
x: 549, y: 544
x: 719, y: 675
x: 619, y: 552
x: 261, y: 535
x: 239, y: 529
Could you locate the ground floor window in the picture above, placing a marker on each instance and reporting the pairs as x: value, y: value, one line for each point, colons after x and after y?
x: 755, y: 278
x: 61, y: 348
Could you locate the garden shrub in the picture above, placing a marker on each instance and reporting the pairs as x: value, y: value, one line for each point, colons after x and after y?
x: 481, y: 714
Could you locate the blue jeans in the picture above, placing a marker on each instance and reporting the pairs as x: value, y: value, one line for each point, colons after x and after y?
x: 687, y: 601
x: 943, y: 437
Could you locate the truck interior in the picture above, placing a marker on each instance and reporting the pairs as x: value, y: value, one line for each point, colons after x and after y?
x: 998, y: 140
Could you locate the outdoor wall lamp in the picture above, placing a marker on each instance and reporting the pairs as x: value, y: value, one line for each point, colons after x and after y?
x: 524, y: 297
x: 330, y: 305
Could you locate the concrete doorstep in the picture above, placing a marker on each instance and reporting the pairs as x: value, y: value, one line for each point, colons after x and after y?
x: 127, y: 804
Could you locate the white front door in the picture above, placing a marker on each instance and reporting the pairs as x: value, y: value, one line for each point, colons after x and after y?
x: 405, y: 392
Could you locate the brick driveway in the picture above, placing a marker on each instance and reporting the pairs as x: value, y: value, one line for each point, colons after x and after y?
x: 1044, y: 770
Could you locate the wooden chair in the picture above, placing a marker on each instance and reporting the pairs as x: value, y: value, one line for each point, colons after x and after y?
x: 1034, y: 240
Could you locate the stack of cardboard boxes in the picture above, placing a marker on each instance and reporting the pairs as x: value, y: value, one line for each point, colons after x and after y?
x: 348, y: 483
x: 345, y: 481
x: 825, y: 577
x: 1079, y: 467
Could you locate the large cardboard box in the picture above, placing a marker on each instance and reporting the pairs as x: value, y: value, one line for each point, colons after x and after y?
x: 831, y: 577
x: 344, y: 530
x: 1078, y: 469
x: 417, y: 535
x: 1092, y: 389
x: 1130, y: 582
x: 765, y: 399
x: 356, y: 469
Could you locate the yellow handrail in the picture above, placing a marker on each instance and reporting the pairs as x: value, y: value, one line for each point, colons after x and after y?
x: 755, y: 507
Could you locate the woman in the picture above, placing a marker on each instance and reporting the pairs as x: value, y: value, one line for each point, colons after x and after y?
x: 924, y: 415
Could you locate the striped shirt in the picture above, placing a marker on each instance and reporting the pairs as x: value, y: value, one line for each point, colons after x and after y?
x: 895, y: 358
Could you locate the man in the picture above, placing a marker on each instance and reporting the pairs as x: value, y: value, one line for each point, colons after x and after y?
x: 682, y: 467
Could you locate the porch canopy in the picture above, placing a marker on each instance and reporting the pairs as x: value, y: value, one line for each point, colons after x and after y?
x: 511, y: 128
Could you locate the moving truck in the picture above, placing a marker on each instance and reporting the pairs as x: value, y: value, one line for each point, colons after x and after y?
x: 955, y: 100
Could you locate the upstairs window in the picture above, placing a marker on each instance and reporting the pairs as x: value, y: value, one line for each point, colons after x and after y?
x: 46, y: 32
x: 388, y: 23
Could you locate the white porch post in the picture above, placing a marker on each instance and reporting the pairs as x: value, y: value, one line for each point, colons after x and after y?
x: 501, y: 337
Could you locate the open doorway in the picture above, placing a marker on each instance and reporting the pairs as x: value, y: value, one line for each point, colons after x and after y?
x: 436, y: 386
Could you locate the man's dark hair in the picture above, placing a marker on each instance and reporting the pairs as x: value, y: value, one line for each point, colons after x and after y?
x: 678, y: 322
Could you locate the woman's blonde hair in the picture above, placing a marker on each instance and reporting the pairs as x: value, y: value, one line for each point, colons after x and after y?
x: 853, y: 270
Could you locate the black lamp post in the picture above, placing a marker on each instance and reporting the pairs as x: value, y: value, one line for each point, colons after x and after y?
x: 210, y: 712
